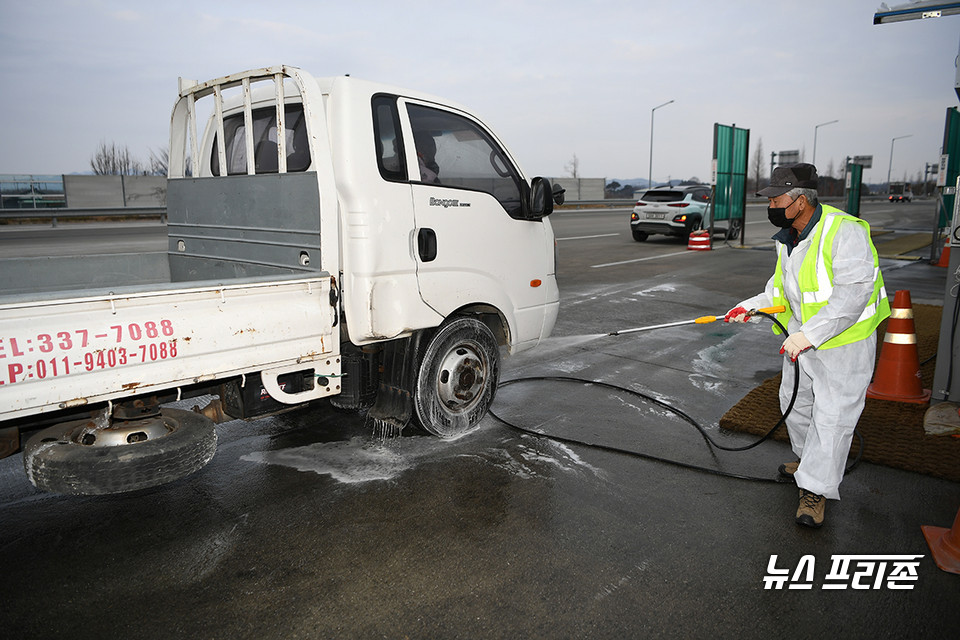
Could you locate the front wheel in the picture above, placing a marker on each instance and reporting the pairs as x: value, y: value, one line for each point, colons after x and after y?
x: 457, y: 378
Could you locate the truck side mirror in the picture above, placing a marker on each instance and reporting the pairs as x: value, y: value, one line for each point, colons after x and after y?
x: 542, y: 196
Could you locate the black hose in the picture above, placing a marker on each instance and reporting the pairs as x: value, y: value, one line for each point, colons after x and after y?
x: 679, y: 413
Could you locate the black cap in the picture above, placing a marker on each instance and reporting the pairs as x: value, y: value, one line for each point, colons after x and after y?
x: 791, y: 176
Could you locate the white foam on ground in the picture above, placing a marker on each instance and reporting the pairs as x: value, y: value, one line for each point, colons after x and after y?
x: 660, y: 287
x: 356, y: 460
x: 536, y: 458
x: 361, y: 459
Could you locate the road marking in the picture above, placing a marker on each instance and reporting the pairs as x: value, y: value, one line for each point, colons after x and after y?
x: 665, y: 255
x: 605, y: 235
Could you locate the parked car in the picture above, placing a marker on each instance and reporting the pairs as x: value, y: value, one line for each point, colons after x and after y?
x: 674, y: 211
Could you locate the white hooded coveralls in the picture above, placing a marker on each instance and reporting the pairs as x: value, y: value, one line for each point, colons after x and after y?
x: 833, y: 381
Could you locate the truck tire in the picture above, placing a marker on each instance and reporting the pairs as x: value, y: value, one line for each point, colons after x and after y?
x: 457, y: 378
x: 56, y: 461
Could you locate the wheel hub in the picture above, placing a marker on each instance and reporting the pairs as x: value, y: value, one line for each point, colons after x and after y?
x: 125, y: 432
x: 461, y: 378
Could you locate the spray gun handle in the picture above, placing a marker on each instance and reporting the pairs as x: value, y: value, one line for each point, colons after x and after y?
x: 777, y: 309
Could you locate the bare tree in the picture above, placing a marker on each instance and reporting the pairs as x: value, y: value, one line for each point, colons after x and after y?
x: 111, y: 160
x: 573, y: 167
x: 758, y: 164
x: 159, y: 161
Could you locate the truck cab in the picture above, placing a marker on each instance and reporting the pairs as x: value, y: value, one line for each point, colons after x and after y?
x: 346, y: 190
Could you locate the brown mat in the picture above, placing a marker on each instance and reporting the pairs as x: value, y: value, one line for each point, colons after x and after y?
x: 892, y: 431
x: 904, y: 244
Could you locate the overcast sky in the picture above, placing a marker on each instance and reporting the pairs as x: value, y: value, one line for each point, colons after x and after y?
x: 553, y: 79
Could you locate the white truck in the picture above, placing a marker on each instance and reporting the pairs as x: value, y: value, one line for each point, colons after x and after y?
x: 328, y: 238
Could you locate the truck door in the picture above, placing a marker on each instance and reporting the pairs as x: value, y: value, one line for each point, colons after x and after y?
x: 472, y: 244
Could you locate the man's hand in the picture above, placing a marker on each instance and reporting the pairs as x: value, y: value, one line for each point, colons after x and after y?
x: 737, y: 314
x: 795, y: 344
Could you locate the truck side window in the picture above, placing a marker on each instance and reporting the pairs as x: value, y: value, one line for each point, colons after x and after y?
x: 454, y: 151
x: 264, y: 142
x: 386, y: 124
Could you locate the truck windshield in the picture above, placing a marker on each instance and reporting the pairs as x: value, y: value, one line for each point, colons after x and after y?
x: 264, y: 142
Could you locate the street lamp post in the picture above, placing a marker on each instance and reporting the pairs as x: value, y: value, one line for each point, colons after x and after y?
x: 650, y: 174
x: 815, y: 139
x: 890, y: 168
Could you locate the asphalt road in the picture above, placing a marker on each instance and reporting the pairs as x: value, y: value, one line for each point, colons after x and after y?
x: 310, y: 525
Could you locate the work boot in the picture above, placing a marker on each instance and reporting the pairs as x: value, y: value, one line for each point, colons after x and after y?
x: 810, y: 511
x: 787, y: 469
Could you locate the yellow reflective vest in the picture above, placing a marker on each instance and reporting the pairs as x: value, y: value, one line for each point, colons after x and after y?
x: 816, y: 281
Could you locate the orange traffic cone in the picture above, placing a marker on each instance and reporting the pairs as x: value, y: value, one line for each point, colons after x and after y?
x: 945, y: 545
x: 898, y: 373
x: 944, y: 255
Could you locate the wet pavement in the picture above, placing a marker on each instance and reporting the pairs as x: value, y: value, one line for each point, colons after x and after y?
x: 311, y: 525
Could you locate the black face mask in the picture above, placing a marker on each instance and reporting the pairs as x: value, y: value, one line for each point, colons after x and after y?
x: 778, y: 216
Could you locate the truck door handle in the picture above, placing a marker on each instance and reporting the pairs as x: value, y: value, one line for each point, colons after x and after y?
x: 427, y: 244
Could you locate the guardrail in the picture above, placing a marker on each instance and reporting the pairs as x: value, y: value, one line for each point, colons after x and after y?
x: 21, y: 216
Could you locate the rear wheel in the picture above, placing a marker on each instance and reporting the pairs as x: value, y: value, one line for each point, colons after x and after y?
x: 457, y: 378
x: 734, y: 230
x: 75, y: 458
x: 640, y: 236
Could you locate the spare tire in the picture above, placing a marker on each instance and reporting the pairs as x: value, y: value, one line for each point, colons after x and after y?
x: 65, y: 459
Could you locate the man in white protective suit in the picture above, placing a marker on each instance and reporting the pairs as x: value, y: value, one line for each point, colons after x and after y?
x: 828, y: 278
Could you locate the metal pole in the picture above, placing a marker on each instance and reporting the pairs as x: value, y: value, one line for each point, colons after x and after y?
x: 890, y: 168
x: 743, y: 210
x: 814, y: 163
x: 935, y: 246
x: 650, y: 167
